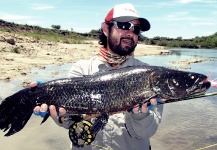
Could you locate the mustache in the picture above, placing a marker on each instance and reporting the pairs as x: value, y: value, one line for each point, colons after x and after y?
x: 127, y: 38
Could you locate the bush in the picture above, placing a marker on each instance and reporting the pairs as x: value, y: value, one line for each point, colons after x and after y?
x: 15, y: 50
x: 56, y: 27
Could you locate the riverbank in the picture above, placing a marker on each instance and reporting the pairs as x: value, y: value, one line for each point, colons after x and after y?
x: 18, y: 55
x: 25, y: 53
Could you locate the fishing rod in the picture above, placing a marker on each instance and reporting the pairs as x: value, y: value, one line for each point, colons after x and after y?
x: 188, y: 98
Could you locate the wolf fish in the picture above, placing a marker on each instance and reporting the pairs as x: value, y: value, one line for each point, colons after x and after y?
x: 111, y: 91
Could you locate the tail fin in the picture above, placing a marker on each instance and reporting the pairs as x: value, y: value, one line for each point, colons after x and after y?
x: 15, y: 111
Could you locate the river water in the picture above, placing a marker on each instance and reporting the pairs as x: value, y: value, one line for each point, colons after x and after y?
x: 186, y: 125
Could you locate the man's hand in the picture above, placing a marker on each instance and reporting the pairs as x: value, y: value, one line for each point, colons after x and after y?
x: 44, y: 107
x: 144, y: 108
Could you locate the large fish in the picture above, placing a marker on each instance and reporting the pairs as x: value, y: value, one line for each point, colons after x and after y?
x: 112, y: 91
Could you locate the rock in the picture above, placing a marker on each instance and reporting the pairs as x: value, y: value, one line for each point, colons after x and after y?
x: 42, y: 67
x: 24, y: 73
x: 55, y: 72
x: 11, y: 41
x: 2, y: 39
x: 25, y: 84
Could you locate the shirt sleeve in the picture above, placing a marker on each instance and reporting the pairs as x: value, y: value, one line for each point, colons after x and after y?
x: 76, y: 69
x: 143, y: 125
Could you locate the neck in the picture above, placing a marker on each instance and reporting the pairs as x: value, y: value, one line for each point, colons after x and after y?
x: 114, y: 60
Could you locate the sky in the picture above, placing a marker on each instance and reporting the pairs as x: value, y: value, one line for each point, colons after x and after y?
x: 168, y: 18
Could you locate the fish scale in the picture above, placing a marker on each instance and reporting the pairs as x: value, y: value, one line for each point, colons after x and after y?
x: 107, y: 92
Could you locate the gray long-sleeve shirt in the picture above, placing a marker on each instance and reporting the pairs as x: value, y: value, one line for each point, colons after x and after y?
x: 124, y: 131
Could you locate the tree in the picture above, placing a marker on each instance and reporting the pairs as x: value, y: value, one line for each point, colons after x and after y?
x: 93, y: 32
x: 179, y: 38
x: 56, y: 27
x: 142, y: 38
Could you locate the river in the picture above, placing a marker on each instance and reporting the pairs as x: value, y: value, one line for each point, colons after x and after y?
x: 186, y: 125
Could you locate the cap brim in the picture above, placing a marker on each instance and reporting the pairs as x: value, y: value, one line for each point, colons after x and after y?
x: 145, y: 25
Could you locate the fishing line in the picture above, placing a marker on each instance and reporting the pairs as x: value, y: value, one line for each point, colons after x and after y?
x: 188, y: 98
x: 207, y: 147
x: 101, y: 147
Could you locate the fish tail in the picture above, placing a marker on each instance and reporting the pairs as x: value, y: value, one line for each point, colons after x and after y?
x: 15, y: 111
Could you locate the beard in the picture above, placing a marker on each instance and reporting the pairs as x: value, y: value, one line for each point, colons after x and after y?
x: 116, y: 46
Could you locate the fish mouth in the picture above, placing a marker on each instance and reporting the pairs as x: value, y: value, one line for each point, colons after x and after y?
x: 199, y: 87
x: 173, y: 84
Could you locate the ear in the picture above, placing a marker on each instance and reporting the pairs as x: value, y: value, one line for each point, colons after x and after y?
x: 105, y: 28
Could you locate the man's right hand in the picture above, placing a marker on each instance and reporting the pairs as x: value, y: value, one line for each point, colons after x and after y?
x: 44, y: 107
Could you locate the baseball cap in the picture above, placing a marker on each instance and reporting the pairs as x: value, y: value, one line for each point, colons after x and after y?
x: 125, y: 13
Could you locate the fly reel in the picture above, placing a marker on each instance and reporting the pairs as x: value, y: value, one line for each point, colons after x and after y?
x: 80, y: 133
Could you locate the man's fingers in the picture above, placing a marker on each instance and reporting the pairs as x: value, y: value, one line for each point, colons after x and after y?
x: 140, y: 109
x: 41, y: 110
x: 62, y: 111
x: 36, y: 109
x: 153, y: 101
x: 33, y: 84
x: 163, y: 99
x: 53, y: 111
x: 144, y: 107
x: 44, y: 107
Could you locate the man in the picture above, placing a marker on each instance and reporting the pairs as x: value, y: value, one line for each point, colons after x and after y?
x: 118, y: 37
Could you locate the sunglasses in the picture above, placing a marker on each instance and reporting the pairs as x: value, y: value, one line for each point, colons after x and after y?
x: 127, y: 26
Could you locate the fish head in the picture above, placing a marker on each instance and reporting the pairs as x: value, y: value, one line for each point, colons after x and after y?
x: 174, y: 84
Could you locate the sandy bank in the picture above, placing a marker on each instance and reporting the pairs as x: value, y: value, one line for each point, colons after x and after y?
x: 39, y: 54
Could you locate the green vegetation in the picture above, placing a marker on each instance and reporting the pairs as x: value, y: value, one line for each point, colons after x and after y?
x: 65, y: 36
x: 15, y: 50
x: 39, y: 33
x: 56, y: 27
x: 197, y: 42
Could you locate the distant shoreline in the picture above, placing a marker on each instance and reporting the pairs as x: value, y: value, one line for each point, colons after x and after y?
x: 18, y: 58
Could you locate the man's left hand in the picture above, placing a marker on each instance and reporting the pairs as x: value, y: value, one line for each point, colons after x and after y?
x: 144, y: 107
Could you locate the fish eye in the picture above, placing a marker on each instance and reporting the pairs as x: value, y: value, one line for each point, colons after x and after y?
x: 175, y: 82
x: 192, y: 76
